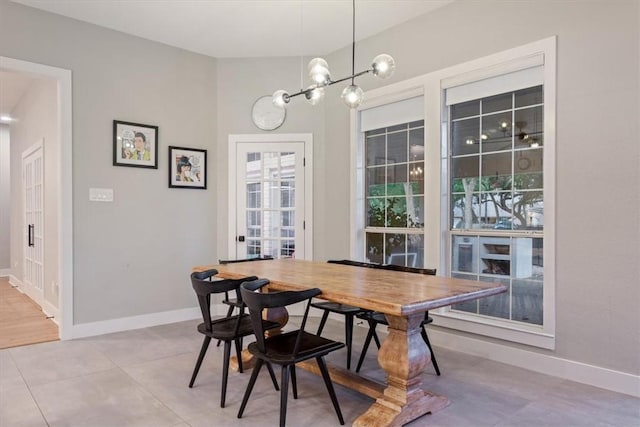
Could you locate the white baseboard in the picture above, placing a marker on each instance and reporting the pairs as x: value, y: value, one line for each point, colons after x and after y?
x: 15, y: 282
x: 5, y: 272
x: 134, y: 322
x: 51, y: 311
x: 596, y: 376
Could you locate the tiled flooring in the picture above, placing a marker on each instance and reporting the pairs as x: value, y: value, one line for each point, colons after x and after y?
x: 139, y: 378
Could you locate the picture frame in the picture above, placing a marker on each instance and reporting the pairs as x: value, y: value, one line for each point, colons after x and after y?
x: 187, y: 168
x: 135, y: 145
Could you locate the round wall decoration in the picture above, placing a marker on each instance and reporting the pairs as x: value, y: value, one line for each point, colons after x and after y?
x: 267, y: 116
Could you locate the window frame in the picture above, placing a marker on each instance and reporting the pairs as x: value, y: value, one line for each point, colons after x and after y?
x: 437, y: 235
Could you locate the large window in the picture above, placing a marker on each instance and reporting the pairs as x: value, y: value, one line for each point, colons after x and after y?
x: 466, y: 184
x: 394, y: 181
x: 496, y: 193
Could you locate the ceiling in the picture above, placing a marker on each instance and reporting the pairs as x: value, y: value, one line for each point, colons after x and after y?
x: 231, y: 28
x: 244, y: 28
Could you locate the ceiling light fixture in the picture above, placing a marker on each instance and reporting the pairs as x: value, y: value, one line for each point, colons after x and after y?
x: 382, y: 66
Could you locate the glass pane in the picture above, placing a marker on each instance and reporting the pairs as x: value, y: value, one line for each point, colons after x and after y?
x: 375, y: 148
x: 467, y: 168
x: 254, y: 195
x: 288, y: 218
x: 397, y: 212
x: 464, y: 137
x: 496, y: 171
x: 375, y: 181
x: 415, y: 212
x: 253, y: 247
x: 397, y: 147
x: 495, y: 254
x: 288, y: 194
x: 467, y: 210
x: 530, y: 96
x: 376, y: 212
x: 497, y: 132
x: 395, y: 249
x: 287, y: 233
x: 416, y: 144
x: 417, y: 123
x: 253, y: 166
x: 496, y: 305
x: 288, y: 166
x: 528, y: 169
x: 270, y: 247
x: 464, y: 256
x: 287, y: 248
x: 529, y: 127
x: 270, y: 222
x: 465, y: 109
x: 468, y: 306
x: 270, y: 167
x: 526, y: 301
x: 397, y: 127
x: 497, y: 103
x: 416, y: 178
x: 396, y: 179
x: 375, y: 248
x: 415, y: 250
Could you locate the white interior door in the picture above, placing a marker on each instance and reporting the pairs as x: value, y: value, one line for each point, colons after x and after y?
x: 32, y: 180
x: 270, y: 211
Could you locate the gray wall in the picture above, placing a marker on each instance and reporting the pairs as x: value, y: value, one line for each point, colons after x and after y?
x: 132, y: 256
x: 37, y: 120
x: 5, y: 180
x: 597, y: 205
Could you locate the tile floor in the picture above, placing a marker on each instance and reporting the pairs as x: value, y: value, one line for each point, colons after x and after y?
x: 139, y: 378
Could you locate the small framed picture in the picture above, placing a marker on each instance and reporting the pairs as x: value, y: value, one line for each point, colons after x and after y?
x: 187, y: 168
x: 135, y: 145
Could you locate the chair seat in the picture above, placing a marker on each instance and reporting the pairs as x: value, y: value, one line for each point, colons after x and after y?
x: 225, y: 328
x: 280, y: 347
x: 334, y: 307
x: 232, y: 302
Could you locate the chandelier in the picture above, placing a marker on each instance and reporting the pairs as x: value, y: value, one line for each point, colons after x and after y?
x: 382, y: 66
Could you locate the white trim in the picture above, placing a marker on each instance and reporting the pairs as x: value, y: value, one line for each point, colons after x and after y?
x: 5, y: 272
x: 15, y: 282
x: 65, y: 182
x: 620, y: 382
x: 307, y: 139
x: 135, y: 322
x: 50, y: 311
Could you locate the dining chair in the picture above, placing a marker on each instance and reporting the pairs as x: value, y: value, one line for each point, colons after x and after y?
x: 288, y: 348
x: 228, y: 329
x: 233, y: 302
x: 348, y: 311
x: 374, y: 318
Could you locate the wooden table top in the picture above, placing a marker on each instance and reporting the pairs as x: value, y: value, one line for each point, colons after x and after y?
x: 391, y: 292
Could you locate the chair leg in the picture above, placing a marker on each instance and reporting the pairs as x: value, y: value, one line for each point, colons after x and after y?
x: 252, y: 382
x: 375, y: 336
x: 425, y: 337
x: 365, y: 347
x: 325, y: 316
x: 238, y: 342
x: 203, y: 351
x: 294, y: 383
x: 348, y: 333
x: 284, y: 383
x: 273, y: 376
x: 330, y: 389
x: 225, y: 371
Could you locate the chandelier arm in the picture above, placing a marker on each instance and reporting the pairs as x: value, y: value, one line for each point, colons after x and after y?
x: 350, y: 77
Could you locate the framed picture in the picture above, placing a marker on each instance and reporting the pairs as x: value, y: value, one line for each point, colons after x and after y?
x: 187, y: 168
x: 135, y: 145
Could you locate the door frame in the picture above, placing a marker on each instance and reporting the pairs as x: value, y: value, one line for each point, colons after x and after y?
x: 307, y: 140
x: 65, y: 183
x: 35, y: 293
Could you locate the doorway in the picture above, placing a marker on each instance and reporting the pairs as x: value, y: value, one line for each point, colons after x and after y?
x: 64, y: 224
x: 270, y: 196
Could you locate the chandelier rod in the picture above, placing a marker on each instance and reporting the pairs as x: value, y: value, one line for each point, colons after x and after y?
x: 353, y: 44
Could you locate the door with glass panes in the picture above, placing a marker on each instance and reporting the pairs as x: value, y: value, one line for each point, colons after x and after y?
x: 270, y: 205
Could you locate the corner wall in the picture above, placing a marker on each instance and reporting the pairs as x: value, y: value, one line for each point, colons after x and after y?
x: 5, y: 194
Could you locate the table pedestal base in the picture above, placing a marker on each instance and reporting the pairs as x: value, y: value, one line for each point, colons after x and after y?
x: 404, y: 357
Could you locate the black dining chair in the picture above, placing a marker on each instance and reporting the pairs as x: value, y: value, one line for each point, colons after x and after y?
x: 233, y: 302
x: 348, y: 311
x: 228, y: 329
x: 374, y: 318
x: 288, y: 348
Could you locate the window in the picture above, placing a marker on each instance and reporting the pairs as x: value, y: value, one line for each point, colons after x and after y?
x: 483, y: 207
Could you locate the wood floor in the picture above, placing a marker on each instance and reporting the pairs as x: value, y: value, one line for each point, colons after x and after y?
x: 22, y: 321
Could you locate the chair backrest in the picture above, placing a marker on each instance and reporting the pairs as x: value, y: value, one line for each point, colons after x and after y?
x: 232, y: 261
x: 256, y: 302
x: 204, y: 288
x: 355, y: 263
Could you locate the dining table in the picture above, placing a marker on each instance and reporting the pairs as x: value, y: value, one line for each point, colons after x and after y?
x: 403, y: 297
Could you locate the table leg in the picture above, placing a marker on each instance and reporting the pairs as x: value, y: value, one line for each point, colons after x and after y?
x: 404, y: 357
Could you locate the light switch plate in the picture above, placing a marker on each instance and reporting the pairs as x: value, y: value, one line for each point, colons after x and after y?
x: 101, y: 194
